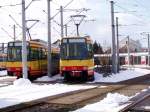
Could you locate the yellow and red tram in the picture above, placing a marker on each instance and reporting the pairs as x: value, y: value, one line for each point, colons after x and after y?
x: 3, y: 58
x: 36, y: 58
x: 76, y: 58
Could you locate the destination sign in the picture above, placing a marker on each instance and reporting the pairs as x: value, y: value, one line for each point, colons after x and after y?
x: 78, y: 40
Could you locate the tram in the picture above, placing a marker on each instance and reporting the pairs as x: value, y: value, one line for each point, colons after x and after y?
x: 76, y: 58
x: 36, y: 58
x: 3, y: 58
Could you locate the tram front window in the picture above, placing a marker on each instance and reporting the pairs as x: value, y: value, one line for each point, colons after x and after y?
x: 14, y: 54
x: 74, y: 51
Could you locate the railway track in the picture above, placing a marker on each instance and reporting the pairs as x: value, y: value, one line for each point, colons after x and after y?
x: 59, y: 102
x: 141, y: 103
x: 5, y: 81
x: 73, y: 100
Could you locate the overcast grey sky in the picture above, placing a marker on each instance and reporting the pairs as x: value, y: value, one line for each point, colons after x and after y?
x: 133, y: 17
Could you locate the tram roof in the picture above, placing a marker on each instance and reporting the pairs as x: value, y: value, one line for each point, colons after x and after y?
x: 40, y: 43
x: 88, y: 38
x: 76, y: 37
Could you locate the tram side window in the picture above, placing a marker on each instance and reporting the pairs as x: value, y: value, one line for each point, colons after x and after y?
x: 44, y: 55
x: 34, y: 54
x: 18, y: 52
x: 2, y: 58
x: 64, y: 51
x: 40, y: 53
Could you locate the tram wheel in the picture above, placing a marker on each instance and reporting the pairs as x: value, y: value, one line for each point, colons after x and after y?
x: 91, y: 78
x: 84, y: 76
x: 10, y: 73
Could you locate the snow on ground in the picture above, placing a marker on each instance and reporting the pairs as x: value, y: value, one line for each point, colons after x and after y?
x: 111, y: 103
x: 138, y: 66
x: 8, y: 78
x: 3, y: 73
x: 22, y: 82
x: 3, y: 85
x: 123, y: 75
x: 24, y: 91
x: 47, y: 78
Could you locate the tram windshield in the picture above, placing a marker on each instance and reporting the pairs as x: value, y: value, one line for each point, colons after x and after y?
x: 76, y: 51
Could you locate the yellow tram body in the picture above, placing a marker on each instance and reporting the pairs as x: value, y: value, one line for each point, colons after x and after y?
x: 76, y: 58
x: 36, y: 58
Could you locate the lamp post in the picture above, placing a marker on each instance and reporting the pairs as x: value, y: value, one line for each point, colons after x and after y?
x: 77, y: 21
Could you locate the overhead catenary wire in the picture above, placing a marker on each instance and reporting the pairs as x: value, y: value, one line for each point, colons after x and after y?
x: 76, y: 14
x: 15, y: 21
x: 63, y: 7
x: 56, y: 31
x: 11, y: 5
x: 135, y: 15
x: 138, y: 4
x: 6, y: 32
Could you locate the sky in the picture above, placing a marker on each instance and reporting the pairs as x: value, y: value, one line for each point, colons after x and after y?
x: 133, y: 19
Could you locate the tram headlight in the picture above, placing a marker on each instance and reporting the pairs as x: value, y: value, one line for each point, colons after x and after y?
x: 63, y: 68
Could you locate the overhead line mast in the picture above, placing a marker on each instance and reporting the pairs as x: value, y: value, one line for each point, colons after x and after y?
x: 113, y: 50
x: 49, y: 37
x: 24, y: 44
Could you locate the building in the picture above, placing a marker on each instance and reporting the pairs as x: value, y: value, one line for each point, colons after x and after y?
x: 135, y: 46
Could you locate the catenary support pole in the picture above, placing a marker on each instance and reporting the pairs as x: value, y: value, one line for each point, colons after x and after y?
x: 117, y: 35
x: 61, y: 20
x: 24, y: 44
x: 113, y: 50
x: 66, y: 30
x: 49, y: 38
x: 148, y: 49
x: 128, y: 48
x: 14, y: 27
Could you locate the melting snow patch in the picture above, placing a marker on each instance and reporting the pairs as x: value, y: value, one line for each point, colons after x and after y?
x: 3, y: 73
x: 109, y: 104
x: 15, y: 94
x: 22, y: 82
x: 144, y: 90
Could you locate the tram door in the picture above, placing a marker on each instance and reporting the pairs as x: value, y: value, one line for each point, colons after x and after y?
x: 35, y: 63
